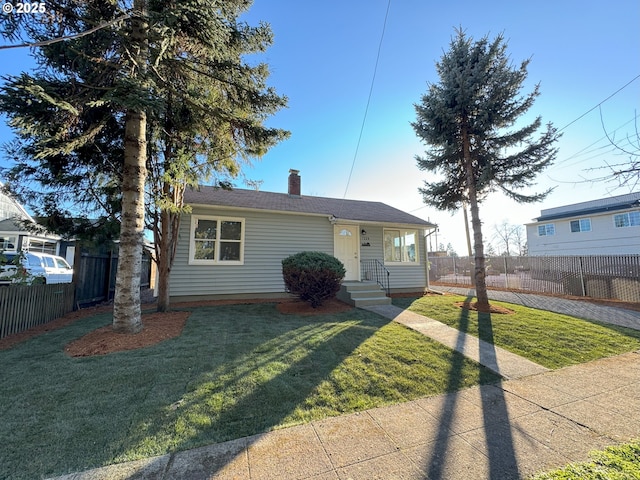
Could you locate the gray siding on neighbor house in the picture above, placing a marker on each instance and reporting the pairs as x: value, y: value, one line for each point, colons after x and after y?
x: 269, y: 238
x: 407, y: 276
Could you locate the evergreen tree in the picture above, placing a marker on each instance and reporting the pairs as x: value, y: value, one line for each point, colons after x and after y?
x: 468, y: 122
x: 81, y: 118
x: 206, y: 129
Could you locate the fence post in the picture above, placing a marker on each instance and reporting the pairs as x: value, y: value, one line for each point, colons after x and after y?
x: 506, y: 273
x: 584, y: 290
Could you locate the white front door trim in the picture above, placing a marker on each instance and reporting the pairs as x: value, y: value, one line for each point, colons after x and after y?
x: 346, y: 248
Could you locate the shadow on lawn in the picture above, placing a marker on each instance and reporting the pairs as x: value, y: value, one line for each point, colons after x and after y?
x: 262, y: 385
x: 499, y: 447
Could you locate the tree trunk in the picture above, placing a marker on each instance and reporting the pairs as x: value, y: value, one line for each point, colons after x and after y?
x: 476, y: 224
x: 480, y: 283
x: 126, y: 304
x: 165, y: 258
x: 466, y: 230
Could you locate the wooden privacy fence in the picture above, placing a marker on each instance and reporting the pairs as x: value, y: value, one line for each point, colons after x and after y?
x: 95, y: 277
x: 23, y: 307
x: 596, y: 276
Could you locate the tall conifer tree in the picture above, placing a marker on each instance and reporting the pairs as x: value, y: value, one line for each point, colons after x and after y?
x: 468, y: 122
x: 131, y: 78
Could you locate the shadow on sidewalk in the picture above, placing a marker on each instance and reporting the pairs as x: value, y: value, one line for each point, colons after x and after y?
x: 499, y: 447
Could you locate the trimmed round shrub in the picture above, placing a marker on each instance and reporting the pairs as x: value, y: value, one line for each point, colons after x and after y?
x: 313, y: 276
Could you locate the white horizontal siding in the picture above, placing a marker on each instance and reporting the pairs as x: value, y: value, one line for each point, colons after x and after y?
x: 603, y: 239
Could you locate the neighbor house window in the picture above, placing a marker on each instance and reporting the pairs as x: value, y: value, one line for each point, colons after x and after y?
x: 546, y: 229
x: 582, y: 225
x: 8, y: 243
x: 216, y: 240
x: 42, y: 246
x: 628, y: 219
x: 400, y: 246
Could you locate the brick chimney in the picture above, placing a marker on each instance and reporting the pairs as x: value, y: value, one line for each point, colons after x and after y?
x: 294, y: 183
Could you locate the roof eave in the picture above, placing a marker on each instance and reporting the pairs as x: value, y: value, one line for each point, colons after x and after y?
x: 331, y: 218
x: 591, y: 211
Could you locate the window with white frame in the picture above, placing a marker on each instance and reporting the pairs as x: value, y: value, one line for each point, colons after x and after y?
x: 627, y: 219
x: 546, y: 229
x: 400, y: 246
x: 8, y: 243
x: 216, y: 240
x: 42, y: 246
x: 582, y: 225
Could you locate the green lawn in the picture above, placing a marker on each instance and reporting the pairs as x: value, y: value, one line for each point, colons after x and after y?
x: 549, y: 339
x: 236, y: 370
x: 613, y: 463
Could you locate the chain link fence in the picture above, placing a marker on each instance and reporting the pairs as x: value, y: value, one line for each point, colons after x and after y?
x: 597, y: 276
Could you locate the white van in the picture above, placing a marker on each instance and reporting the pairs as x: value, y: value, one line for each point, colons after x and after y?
x: 39, y: 266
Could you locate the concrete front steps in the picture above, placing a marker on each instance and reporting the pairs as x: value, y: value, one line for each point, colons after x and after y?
x: 363, y: 294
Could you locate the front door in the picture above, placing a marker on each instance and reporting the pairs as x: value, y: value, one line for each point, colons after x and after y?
x: 346, y: 248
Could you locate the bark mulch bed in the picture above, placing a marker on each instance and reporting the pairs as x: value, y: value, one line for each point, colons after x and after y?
x: 298, y: 307
x: 483, y: 309
x: 157, y: 327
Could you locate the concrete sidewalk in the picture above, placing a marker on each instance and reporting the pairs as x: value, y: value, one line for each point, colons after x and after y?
x: 504, y: 431
x: 533, y: 421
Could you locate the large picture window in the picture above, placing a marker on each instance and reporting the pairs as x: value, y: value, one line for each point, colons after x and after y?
x: 400, y: 246
x: 216, y: 240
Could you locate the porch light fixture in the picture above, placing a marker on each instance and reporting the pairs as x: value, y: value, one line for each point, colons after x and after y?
x: 363, y: 232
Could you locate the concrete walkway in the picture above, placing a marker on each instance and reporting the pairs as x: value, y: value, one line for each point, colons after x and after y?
x: 497, y: 359
x: 536, y: 421
x: 575, y: 308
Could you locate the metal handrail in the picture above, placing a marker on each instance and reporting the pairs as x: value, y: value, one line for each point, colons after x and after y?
x: 373, y: 269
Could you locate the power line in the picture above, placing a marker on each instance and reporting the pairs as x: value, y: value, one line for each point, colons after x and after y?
x: 366, y: 110
x: 586, y: 151
x: 593, y: 108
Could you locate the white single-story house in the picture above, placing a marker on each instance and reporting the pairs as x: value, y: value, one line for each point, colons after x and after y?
x: 608, y: 226
x: 232, y: 243
x: 19, y: 231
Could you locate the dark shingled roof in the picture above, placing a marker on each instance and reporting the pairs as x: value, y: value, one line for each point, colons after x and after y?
x: 592, y: 207
x: 10, y: 225
x: 357, y: 210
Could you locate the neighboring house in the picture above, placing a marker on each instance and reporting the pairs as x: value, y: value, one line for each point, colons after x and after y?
x: 14, y: 233
x: 609, y: 226
x: 233, y: 242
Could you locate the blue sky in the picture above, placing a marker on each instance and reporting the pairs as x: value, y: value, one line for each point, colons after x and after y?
x: 323, y: 60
